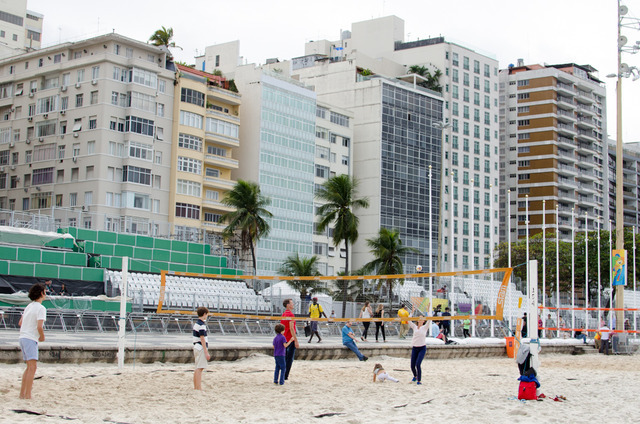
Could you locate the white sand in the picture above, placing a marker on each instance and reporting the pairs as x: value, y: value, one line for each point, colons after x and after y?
x: 457, y: 390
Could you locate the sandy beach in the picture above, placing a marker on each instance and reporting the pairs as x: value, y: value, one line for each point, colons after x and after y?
x: 456, y: 390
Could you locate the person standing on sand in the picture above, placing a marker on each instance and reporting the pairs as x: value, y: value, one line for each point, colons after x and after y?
x: 404, y: 325
x: 315, y: 311
x: 200, y: 346
x: 289, y: 334
x: 366, y: 312
x: 418, y: 348
x: 380, y: 324
x: 31, y: 332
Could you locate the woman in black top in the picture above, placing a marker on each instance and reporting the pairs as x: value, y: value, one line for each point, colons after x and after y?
x: 380, y: 324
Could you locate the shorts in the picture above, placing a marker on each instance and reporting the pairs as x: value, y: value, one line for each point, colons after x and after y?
x: 29, y: 349
x: 200, y: 358
x: 314, y: 326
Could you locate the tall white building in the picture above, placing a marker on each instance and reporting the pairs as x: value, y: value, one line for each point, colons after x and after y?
x: 20, y: 28
x: 85, y: 134
x: 468, y: 208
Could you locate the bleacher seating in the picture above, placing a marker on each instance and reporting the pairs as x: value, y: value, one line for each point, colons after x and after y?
x: 190, y: 292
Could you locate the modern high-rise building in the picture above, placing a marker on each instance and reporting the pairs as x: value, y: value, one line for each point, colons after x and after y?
x: 20, y: 28
x: 394, y: 145
x: 631, y: 185
x: 467, y: 211
x: 553, y: 148
x: 85, y: 134
x: 276, y: 150
x: 206, y: 130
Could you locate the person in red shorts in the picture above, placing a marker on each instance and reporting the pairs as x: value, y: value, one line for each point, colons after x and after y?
x: 289, y: 334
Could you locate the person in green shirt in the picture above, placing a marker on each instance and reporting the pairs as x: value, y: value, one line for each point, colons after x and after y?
x: 466, y: 324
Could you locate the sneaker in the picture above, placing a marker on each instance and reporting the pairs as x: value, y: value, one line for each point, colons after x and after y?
x: 419, y: 383
x: 275, y: 382
x: 364, y: 358
x: 413, y: 380
x: 282, y: 384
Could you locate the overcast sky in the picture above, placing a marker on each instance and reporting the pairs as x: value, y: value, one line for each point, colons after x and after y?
x: 541, y: 31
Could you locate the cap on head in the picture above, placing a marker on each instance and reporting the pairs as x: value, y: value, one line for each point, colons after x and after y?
x: 315, y: 299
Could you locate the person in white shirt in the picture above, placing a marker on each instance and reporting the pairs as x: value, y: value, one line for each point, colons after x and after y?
x: 419, y: 348
x: 379, y: 374
x: 32, y: 332
x: 605, y: 335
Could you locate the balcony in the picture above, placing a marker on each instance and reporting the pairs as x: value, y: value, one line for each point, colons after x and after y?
x: 566, y: 129
x: 566, y: 154
x: 566, y: 142
x: 565, y: 115
x: 566, y: 89
x: 223, y: 95
x: 586, y: 122
x: 584, y: 147
x: 214, y: 226
x: 589, y: 110
x: 222, y: 139
x: 214, y: 204
x: 586, y: 161
x: 221, y: 161
x: 586, y: 174
x: 585, y: 97
x: 585, y: 187
x: 566, y: 169
x: 218, y: 114
x: 219, y: 183
x: 566, y: 182
x: 586, y: 135
x: 565, y: 102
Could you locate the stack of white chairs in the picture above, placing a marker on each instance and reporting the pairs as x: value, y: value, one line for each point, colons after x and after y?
x: 182, y: 292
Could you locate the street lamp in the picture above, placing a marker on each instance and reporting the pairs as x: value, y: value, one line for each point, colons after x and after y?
x: 625, y: 71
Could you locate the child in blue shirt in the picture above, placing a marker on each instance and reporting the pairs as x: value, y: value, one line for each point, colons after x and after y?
x: 279, y: 349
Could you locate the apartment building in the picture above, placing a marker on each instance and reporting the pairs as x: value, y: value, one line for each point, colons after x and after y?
x: 553, y: 148
x: 85, y: 134
x: 631, y: 185
x: 467, y: 203
x: 20, y: 28
x: 206, y: 130
x: 334, y: 135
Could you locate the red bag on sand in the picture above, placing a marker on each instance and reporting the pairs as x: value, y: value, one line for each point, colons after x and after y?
x: 527, y: 390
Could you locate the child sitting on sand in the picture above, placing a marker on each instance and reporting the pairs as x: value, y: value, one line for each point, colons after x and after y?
x: 279, y: 345
x: 381, y: 375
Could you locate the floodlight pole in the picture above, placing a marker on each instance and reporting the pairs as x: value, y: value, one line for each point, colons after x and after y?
x: 123, y: 311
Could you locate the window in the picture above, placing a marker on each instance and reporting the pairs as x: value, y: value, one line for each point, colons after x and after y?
x: 339, y: 119
x: 189, y: 141
x: 94, y: 98
x: 95, y: 72
x: 79, y: 100
x: 140, y: 150
x: 134, y: 174
x: 189, y: 188
x: 185, y: 210
x: 47, y: 104
x: 454, y: 59
x: 138, y: 125
x: 42, y: 176
x: 80, y: 75
x: 193, y: 166
x: 192, y: 96
x: 222, y: 127
x: 212, y: 217
x: 345, y: 160
x: 523, y: 96
x: 140, y: 76
x: 73, y: 199
x: 142, y: 101
x: 190, y: 119
x: 77, y: 125
x: 465, y: 62
x: 160, y: 109
x: 161, y: 85
x: 50, y: 82
x: 322, y: 171
x: 93, y: 122
x: 91, y: 147
x: 45, y: 128
x: 212, y: 172
x: 64, y: 103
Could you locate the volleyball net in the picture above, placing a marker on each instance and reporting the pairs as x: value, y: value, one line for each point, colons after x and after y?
x: 475, y: 295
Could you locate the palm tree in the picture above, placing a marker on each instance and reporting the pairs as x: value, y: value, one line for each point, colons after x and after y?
x: 295, y: 266
x: 432, y: 79
x: 249, y: 216
x: 339, y: 200
x: 388, y: 251
x: 163, y: 37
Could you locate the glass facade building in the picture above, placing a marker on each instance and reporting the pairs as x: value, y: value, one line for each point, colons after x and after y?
x: 286, y: 171
x: 410, y: 143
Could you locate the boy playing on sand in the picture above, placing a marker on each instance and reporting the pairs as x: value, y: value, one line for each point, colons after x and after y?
x: 200, y: 346
x: 280, y: 344
x: 381, y: 375
x: 31, y: 332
